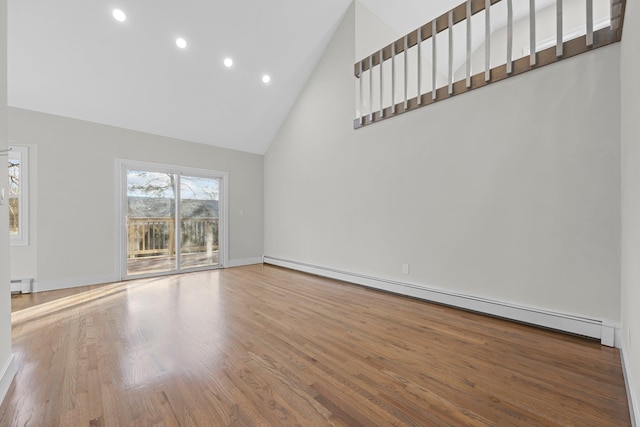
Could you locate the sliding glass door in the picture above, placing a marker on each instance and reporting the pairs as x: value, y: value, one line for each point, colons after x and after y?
x: 172, y: 220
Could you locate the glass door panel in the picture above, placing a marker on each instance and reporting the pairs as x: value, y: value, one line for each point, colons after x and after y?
x: 199, y: 221
x: 150, y: 222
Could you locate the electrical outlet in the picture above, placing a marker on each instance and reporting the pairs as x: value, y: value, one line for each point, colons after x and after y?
x: 405, y: 268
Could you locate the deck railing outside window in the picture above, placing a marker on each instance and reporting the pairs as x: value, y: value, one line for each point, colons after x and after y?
x: 150, y: 237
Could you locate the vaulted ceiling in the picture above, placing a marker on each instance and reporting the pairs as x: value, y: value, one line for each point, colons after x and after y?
x: 72, y: 58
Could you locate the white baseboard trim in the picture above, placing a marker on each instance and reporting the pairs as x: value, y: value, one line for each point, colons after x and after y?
x: 244, y: 261
x: 53, y: 285
x: 6, y: 376
x: 605, y: 330
x: 634, y: 409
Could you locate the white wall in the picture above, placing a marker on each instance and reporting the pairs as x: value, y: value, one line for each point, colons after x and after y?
x: 72, y: 234
x: 510, y: 192
x: 7, y: 369
x: 631, y: 198
x: 371, y: 32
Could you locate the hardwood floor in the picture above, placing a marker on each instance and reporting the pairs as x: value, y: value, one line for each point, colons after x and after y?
x: 265, y: 346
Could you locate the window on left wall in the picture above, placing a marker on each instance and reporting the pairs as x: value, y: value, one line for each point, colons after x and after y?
x: 18, y: 196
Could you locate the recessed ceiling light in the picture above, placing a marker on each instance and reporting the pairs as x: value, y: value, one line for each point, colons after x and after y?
x: 119, y: 15
x: 181, y: 43
x: 228, y: 62
x: 266, y: 78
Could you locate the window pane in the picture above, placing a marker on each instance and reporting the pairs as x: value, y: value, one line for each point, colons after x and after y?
x: 14, y: 177
x: 14, y: 195
x: 14, y: 216
x: 199, y: 199
x: 150, y: 222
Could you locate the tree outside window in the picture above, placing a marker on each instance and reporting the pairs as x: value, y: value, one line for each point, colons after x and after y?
x: 17, y: 195
x: 14, y: 197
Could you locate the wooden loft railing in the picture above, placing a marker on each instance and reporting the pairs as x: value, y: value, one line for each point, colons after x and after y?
x: 562, y: 49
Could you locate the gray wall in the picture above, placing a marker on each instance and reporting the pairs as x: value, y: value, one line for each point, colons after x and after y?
x: 631, y: 195
x: 72, y: 239
x: 5, y: 300
x: 511, y: 192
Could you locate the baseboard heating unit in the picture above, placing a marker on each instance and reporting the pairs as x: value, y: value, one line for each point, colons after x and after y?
x: 21, y: 286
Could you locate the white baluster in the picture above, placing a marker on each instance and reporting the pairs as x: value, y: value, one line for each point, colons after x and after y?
x: 393, y: 78
x: 589, y: 22
x: 532, y: 32
x: 487, y: 40
x: 406, y: 71
x: 509, y: 36
x: 361, y: 97
x: 434, y: 70
x: 559, y: 32
x: 381, y: 83
x: 371, y: 88
x: 420, y: 66
x: 450, y: 74
x: 468, y: 43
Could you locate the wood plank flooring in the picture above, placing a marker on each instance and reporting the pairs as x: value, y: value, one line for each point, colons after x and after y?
x: 264, y: 346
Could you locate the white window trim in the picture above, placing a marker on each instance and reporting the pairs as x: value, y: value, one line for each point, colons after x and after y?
x: 121, y: 166
x: 22, y: 239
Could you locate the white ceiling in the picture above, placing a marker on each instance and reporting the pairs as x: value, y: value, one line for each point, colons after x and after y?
x: 71, y: 58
